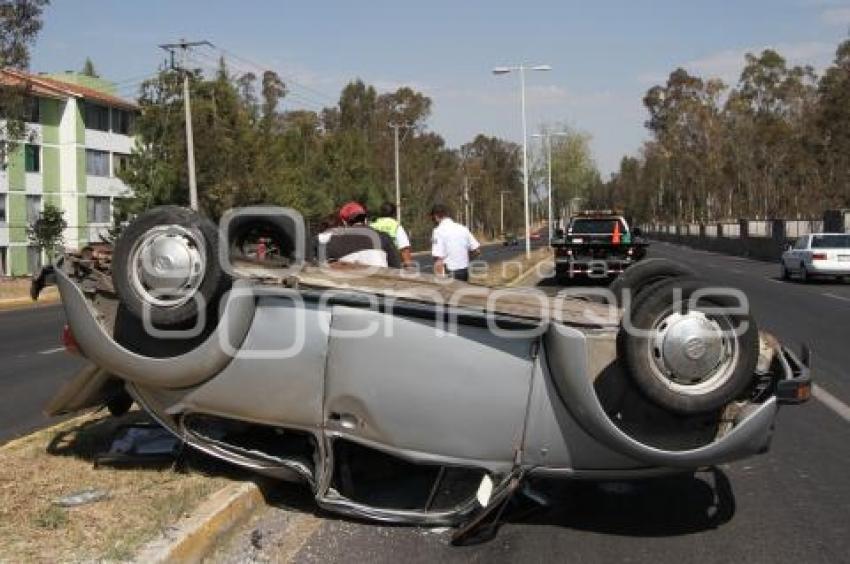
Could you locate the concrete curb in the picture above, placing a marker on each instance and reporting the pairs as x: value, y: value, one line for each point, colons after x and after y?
x: 192, y: 538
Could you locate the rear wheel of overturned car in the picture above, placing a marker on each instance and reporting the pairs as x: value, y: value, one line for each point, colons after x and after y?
x: 690, y: 350
x: 166, y: 261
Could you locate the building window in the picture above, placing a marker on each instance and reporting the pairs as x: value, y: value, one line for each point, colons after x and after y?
x: 32, y: 158
x: 97, y: 117
x: 120, y: 162
x: 4, y: 253
x: 98, y: 209
x: 97, y: 162
x: 33, y: 209
x: 33, y: 259
x: 122, y: 121
x: 3, y: 198
x: 31, y: 110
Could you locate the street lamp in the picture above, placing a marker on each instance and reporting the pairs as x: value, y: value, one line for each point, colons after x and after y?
x: 522, y: 69
x: 547, y: 137
x: 502, y: 209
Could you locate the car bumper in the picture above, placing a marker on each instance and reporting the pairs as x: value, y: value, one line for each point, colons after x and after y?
x: 600, y: 267
x: 830, y: 268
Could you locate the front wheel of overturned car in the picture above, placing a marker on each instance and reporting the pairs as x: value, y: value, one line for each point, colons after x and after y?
x: 689, y: 349
x: 166, y: 262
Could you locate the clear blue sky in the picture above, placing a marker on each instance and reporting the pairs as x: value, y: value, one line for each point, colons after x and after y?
x: 604, y: 54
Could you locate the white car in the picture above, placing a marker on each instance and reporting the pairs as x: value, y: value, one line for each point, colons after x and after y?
x: 818, y: 254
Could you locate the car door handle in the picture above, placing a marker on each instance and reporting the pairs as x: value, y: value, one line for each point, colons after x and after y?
x: 347, y: 421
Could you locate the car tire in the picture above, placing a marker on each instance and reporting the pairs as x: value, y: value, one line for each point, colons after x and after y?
x: 688, y: 360
x: 643, y: 274
x: 168, y: 235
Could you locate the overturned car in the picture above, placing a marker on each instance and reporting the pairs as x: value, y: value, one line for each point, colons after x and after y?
x: 405, y: 397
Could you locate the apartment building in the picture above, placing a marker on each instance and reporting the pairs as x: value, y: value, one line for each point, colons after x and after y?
x: 81, y: 135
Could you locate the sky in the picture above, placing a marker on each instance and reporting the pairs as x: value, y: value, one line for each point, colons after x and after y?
x: 604, y: 54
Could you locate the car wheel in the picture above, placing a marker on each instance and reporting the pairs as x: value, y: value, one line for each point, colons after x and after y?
x: 642, y: 275
x: 804, y: 273
x: 684, y: 352
x: 166, y: 261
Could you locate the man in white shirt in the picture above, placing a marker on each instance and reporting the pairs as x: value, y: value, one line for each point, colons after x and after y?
x: 452, y: 245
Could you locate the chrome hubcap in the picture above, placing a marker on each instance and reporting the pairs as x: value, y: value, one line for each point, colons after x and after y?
x: 691, y: 352
x: 167, y: 265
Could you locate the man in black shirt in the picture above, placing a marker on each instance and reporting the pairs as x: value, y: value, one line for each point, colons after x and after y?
x: 355, y: 242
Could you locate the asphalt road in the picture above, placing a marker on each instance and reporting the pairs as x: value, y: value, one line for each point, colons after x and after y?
x: 789, y: 505
x: 33, y: 365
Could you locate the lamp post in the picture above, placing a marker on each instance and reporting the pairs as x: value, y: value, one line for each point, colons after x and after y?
x: 395, y: 127
x: 502, y: 209
x: 547, y: 139
x: 522, y: 69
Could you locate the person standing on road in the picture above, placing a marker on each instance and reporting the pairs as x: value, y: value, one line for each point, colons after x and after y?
x: 452, y: 245
x: 387, y: 223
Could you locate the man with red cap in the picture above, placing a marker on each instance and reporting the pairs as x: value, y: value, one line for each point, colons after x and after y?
x: 356, y: 242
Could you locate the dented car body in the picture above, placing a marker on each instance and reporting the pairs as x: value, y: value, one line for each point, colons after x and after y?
x: 402, y: 397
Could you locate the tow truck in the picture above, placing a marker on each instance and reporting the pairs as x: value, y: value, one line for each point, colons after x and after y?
x: 597, y: 244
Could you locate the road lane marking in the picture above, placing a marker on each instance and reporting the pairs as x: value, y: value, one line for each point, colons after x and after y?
x: 52, y: 351
x: 835, y: 296
x: 832, y: 402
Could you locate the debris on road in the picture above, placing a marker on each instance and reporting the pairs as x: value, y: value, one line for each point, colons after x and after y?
x: 82, y: 497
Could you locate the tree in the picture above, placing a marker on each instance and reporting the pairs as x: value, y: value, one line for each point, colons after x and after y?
x: 252, y: 152
x: 20, y: 22
x: 45, y: 233
x: 88, y: 69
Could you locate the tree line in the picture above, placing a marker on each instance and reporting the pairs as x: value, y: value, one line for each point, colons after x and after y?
x: 250, y: 151
x: 776, y: 145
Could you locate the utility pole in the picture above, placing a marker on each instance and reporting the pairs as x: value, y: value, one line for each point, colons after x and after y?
x: 502, y: 209
x: 467, y: 205
x: 395, y: 127
x: 184, y: 46
x: 470, y: 205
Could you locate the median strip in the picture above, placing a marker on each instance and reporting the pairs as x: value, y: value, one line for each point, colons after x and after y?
x: 134, y: 503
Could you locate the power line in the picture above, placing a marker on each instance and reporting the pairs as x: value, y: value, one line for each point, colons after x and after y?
x: 208, y: 61
x: 287, y: 77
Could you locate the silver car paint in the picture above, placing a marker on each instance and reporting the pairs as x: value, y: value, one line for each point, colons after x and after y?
x: 182, y: 371
x: 471, y: 398
x: 458, y: 395
x: 292, y: 386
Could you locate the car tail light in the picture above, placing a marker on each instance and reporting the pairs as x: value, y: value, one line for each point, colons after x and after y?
x: 793, y: 391
x: 819, y: 256
x: 68, y: 340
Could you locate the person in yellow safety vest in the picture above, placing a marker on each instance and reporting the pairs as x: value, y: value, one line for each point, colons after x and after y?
x: 387, y: 223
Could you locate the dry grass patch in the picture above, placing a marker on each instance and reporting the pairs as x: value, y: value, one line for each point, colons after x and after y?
x: 58, y: 461
x: 504, y: 272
